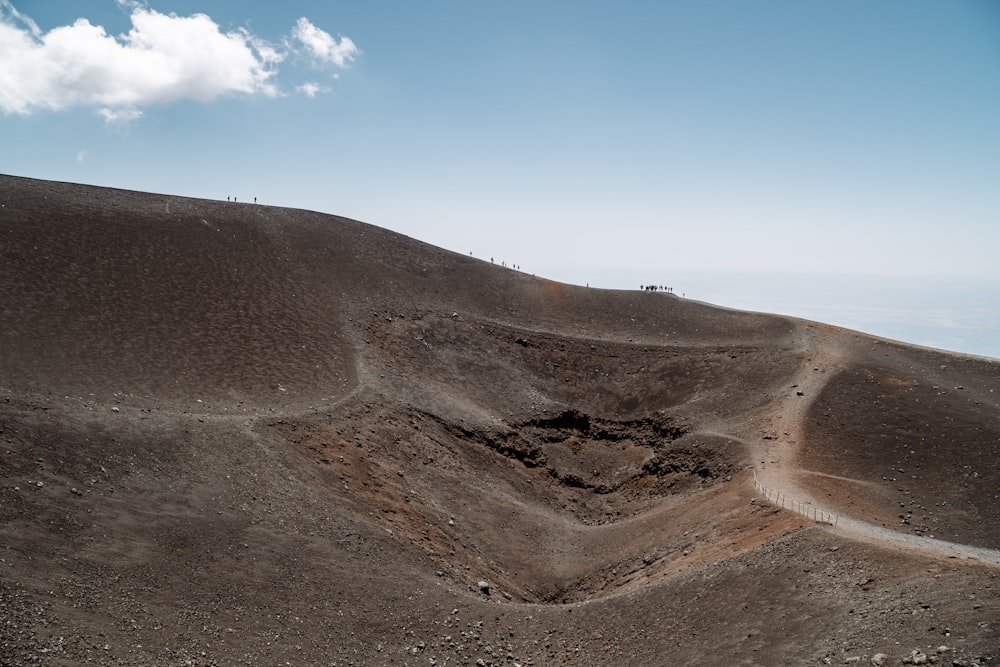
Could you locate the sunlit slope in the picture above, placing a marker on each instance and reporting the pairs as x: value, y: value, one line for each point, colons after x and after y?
x: 909, y: 438
x: 147, y: 295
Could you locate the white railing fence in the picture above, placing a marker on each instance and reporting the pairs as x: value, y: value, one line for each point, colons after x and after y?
x: 779, y: 499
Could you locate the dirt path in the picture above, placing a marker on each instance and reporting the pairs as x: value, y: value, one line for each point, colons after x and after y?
x: 775, y: 459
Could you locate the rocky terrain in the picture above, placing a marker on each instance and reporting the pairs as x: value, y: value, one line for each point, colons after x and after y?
x: 234, y: 434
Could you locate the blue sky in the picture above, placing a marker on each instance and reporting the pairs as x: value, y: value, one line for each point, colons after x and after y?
x: 585, y: 141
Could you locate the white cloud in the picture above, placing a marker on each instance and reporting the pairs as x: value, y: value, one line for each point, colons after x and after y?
x: 265, y: 51
x: 18, y: 16
x: 162, y: 59
x: 310, y: 89
x: 122, y: 116
x: 322, y: 46
x: 81, y: 155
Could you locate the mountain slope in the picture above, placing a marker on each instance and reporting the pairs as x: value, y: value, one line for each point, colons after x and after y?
x: 238, y: 433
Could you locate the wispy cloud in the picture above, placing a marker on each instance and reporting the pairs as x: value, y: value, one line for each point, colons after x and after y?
x: 120, y: 116
x: 322, y: 46
x: 163, y: 59
x: 11, y: 11
x: 311, y: 89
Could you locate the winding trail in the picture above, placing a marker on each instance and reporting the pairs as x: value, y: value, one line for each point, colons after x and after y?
x: 775, y: 459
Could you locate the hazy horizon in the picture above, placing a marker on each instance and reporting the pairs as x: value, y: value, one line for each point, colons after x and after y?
x: 652, y: 139
x: 958, y: 314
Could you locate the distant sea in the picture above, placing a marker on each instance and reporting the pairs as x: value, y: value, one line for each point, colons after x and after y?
x: 956, y: 314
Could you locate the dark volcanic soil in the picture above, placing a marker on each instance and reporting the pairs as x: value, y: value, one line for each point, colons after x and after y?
x: 237, y: 434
